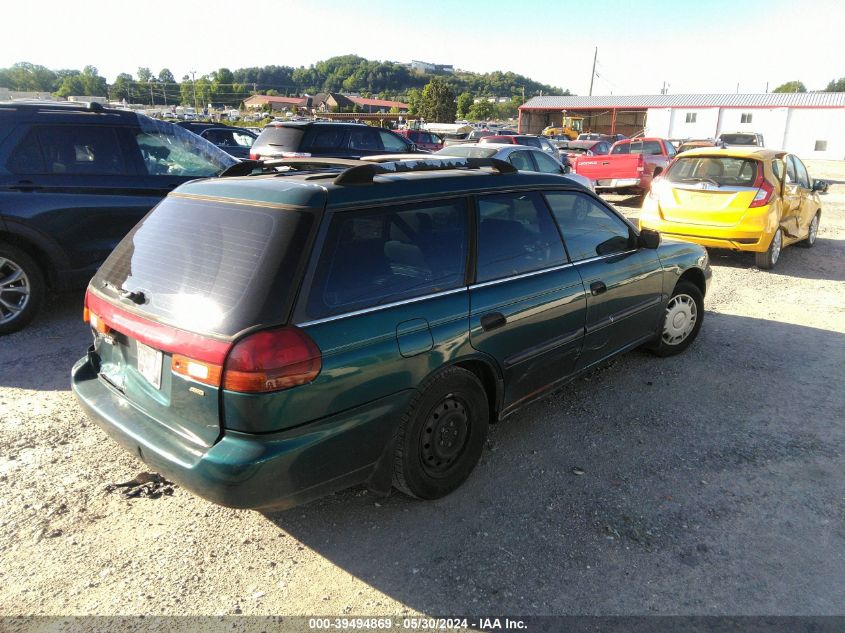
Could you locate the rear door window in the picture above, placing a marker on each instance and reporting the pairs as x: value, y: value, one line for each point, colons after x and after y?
x: 366, y: 139
x: 546, y: 163
x: 376, y: 257
x: 801, y: 173
x: 285, y: 138
x: 72, y: 149
x: 208, y: 266
x: 26, y: 158
x: 521, y: 160
x: 515, y: 235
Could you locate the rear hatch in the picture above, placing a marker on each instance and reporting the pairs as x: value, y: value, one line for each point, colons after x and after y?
x: 709, y: 190
x: 180, y: 287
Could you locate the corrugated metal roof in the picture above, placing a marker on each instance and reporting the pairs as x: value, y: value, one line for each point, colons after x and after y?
x: 763, y: 100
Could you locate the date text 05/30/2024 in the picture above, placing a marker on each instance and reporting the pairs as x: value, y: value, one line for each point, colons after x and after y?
x: 417, y: 624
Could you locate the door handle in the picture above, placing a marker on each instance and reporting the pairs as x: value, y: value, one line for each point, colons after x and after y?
x: 492, y: 321
x: 597, y: 287
x: 25, y: 185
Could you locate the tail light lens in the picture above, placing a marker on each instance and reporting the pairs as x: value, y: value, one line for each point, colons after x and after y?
x: 654, y: 190
x: 272, y: 360
x: 765, y: 190
x: 640, y: 164
x: 254, y: 156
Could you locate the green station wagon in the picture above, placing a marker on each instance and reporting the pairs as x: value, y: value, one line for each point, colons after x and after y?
x: 269, y: 338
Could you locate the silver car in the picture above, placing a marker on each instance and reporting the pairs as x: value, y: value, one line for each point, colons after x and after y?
x: 522, y: 157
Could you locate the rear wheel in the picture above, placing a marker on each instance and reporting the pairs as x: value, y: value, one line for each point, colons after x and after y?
x: 681, y: 320
x: 441, y: 435
x: 770, y: 257
x: 22, y: 288
x: 810, y: 240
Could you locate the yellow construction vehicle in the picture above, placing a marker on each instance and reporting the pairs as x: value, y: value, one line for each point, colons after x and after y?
x: 571, y: 126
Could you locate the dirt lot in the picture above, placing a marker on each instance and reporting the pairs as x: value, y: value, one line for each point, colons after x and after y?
x: 714, y: 483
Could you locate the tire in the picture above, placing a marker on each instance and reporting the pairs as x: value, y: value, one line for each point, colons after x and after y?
x: 813, y: 232
x: 681, y: 320
x: 22, y: 288
x: 768, y: 259
x: 452, y: 408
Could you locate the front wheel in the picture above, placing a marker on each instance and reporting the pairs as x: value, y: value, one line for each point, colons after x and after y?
x: 22, y: 288
x: 441, y: 435
x: 681, y: 320
x: 810, y: 240
x: 768, y: 259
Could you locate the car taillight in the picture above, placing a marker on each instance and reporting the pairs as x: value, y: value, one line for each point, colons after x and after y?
x: 640, y: 164
x: 272, y: 360
x: 254, y: 156
x: 295, y: 154
x: 764, y: 191
x: 654, y: 190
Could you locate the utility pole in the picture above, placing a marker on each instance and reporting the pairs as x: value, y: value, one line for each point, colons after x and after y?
x: 767, y: 86
x: 665, y: 89
x: 593, y: 75
x: 194, y: 82
x: 152, y: 98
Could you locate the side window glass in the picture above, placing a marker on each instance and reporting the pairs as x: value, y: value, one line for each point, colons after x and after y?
x: 521, y: 160
x: 393, y: 143
x: 166, y: 155
x: 323, y: 138
x: 377, y: 257
x: 515, y: 235
x: 777, y: 168
x: 588, y: 228
x: 364, y: 139
x: 546, y: 163
x: 624, y: 148
x: 244, y: 140
x: 670, y: 149
x: 81, y: 149
x: 791, y: 176
x: 801, y: 173
x: 26, y: 157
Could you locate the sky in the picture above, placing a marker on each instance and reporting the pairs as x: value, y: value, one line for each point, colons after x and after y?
x: 693, y: 46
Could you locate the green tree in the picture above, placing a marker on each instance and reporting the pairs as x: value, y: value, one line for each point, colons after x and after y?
x: 437, y: 102
x: 483, y: 110
x: 791, y: 86
x: 413, y: 98
x: 836, y: 85
x: 144, y: 75
x: 28, y: 77
x: 464, y: 104
x: 169, y: 87
x: 122, y: 88
x: 86, y: 83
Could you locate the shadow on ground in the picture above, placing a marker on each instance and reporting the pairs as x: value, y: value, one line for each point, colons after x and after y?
x: 731, y: 508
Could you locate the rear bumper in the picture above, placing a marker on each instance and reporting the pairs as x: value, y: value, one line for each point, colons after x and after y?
x: 710, y: 236
x: 603, y: 184
x: 241, y: 470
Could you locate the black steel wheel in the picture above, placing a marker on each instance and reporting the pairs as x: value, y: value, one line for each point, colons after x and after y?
x: 441, y: 436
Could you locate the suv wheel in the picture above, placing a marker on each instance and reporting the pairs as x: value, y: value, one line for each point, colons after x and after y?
x: 441, y: 435
x: 21, y: 288
x: 681, y: 320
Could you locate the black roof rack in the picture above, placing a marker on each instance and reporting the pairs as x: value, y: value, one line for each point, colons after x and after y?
x: 361, y: 172
x: 364, y: 173
x: 73, y: 106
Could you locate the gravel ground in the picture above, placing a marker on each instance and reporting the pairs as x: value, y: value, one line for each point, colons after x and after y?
x: 713, y: 483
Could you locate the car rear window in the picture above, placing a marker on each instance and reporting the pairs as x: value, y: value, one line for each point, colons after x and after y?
x: 286, y: 138
x: 207, y: 266
x: 723, y: 170
x: 739, y: 139
x: 638, y: 147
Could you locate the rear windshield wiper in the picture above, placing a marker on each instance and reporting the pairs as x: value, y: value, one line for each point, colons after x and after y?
x: 700, y: 179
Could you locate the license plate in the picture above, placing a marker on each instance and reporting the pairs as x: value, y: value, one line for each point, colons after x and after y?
x: 149, y: 364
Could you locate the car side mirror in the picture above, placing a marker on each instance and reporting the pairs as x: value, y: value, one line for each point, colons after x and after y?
x: 648, y: 238
x: 820, y: 185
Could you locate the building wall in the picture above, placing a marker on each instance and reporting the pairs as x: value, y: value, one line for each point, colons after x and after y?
x: 795, y: 129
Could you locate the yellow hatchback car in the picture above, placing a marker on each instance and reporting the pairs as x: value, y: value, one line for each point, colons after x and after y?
x: 755, y: 200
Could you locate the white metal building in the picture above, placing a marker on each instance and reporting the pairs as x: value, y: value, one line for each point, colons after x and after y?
x: 809, y: 124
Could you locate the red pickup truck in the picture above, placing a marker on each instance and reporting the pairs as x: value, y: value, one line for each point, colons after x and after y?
x: 630, y: 166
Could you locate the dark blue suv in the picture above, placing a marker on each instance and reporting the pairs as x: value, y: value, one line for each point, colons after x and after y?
x: 74, y: 179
